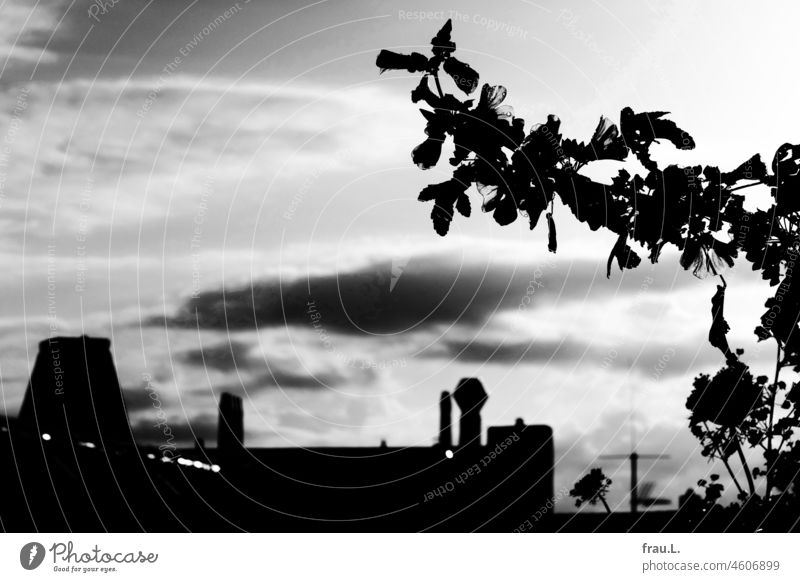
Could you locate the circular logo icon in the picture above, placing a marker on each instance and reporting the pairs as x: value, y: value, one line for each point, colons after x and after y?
x: 31, y: 555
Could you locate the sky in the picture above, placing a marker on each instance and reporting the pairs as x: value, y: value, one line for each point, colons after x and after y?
x: 184, y: 177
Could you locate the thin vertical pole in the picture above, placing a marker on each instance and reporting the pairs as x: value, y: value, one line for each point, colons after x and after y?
x: 634, y: 483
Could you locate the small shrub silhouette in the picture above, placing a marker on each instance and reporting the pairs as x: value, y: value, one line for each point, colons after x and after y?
x: 591, y: 488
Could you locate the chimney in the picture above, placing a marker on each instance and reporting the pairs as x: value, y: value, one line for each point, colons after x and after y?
x: 230, y: 427
x: 470, y: 397
x: 74, y: 394
x: 445, y: 420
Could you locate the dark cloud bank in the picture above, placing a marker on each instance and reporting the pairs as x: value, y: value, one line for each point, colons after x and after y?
x: 432, y: 290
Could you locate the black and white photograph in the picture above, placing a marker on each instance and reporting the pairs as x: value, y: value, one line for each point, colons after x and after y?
x: 340, y: 271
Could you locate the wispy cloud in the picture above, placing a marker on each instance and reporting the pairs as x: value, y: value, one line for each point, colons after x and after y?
x: 21, y: 22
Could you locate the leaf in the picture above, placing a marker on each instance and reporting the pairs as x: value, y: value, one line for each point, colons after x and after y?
x: 721, y: 254
x: 786, y: 167
x: 781, y: 318
x: 611, y: 256
x: 427, y: 154
x: 492, y: 96
x: 640, y: 130
x: 445, y: 196
x: 463, y: 205
x: 533, y: 204
x: 429, y: 193
x: 606, y: 144
x: 422, y: 92
x: 413, y: 63
x: 793, y: 395
x: 441, y: 215
x: 691, y: 255
x: 594, y: 203
x: 755, y: 236
x: 464, y: 76
x: 626, y: 257
x: 717, y: 334
x: 752, y: 169
x: 448, y: 102
x: 502, y: 206
x: 506, y: 211
x: 442, y: 45
x: 552, y: 243
x: 785, y: 423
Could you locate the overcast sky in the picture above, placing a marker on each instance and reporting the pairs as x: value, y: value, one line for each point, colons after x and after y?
x: 249, y: 154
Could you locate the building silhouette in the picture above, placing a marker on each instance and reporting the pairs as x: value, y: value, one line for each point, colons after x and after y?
x: 74, y: 393
x: 70, y: 465
x: 230, y: 426
x: 470, y: 397
x: 445, y: 421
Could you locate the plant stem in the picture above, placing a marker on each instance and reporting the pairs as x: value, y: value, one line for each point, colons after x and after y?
x: 770, y: 428
x: 727, y: 465
x: 603, y: 500
x: 745, y: 186
x: 746, y: 467
x: 438, y: 85
x: 730, y: 471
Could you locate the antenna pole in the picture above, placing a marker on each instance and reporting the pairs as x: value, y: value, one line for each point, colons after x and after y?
x: 634, y: 458
x: 634, y: 483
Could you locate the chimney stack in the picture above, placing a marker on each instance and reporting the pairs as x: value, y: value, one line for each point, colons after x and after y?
x: 445, y: 420
x: 230, y: 427
x: 470, y: 397
x: 74, y: 394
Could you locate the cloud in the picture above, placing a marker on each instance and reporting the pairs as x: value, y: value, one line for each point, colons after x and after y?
x: 22, y: 23
x: 656, y: 359
x: 295, y: 375
x: 155, y: 126
x: 137, y: 399
x: 225, y: 356
x: 435, y: 289
x: 503, y: 352
x: 151, y: 147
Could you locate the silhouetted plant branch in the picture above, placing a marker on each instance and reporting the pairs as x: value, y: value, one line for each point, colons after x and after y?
x: 697, y: 209
x: 717, y: 451
x: 770, y: 427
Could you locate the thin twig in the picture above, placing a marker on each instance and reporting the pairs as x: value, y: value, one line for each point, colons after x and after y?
x: 725, y: 462
x: 756, y: 183
x: 438, y: 85
x: 746, y: 467
x: 770, y: 426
